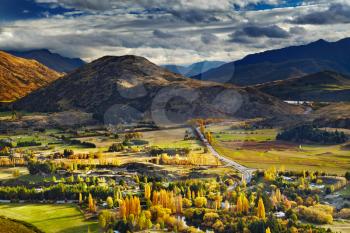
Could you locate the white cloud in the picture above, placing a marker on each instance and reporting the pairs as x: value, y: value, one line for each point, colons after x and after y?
x: 180, y: 31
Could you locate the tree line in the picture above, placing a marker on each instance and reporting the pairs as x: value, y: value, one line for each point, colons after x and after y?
x: 310, y: 133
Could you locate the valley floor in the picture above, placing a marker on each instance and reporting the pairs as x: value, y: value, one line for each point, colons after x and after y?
x: 259, y: 149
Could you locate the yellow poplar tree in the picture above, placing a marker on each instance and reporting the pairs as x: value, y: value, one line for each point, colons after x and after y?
x: 91, y: 203
x: 261, y: 209
x: 189, y: 193
x: 245, y: 204
x: 178, y: 203
x: 278, y: 195
x: 218, y: 200
x: 239, y: 206
x: 122, y: 209
x: 147, y: 191
x: 80, y: 198
x: 155, y: 198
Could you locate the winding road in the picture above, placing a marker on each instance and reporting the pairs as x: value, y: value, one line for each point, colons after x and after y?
x: 247, y: 173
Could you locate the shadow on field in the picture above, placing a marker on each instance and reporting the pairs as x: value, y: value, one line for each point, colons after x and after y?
x: 81, y: 229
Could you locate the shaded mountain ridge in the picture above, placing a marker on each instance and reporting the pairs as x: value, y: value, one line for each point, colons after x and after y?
x: 327, y: 86
x: 52, y: 60
x: 280, y: 64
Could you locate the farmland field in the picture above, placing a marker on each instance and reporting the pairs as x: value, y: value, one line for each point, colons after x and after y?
x: 7, y: 173
x: 49, y: 218
x: 342, y: 226
x: 258, y: 149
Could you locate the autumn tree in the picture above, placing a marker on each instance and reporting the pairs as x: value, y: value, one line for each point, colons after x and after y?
x: 129, y: 206
x: 178, y: 204
x: 218, y: 200
x: 109, y: 201
x: 147, y: 191
x: 187, y: 202
x: 189, y: 194
x: 91, y: 203
x: 80, y: 198
x: 106, y: 219
x: 239, y: 204
x: 261, y: 209
x: 200, y: 202
x: 245, y: 204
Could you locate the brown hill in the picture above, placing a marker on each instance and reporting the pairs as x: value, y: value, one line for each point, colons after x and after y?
x: 19, y: 76
x: 131, y: 88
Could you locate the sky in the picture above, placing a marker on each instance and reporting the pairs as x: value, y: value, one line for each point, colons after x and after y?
x: 169, y: 31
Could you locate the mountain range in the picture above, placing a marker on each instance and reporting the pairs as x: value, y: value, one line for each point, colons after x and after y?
x: 326, y: 86
x: 19, y: 76
x: 52, y: 60
x: 280, y: 64
x: 130, y: 88
x: 195, y: 68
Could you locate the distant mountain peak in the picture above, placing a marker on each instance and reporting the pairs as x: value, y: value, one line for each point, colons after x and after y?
x: 195, y: 68
x: 321, y: 41
x: 284, y: 63
x: 128, y: 58
x: 52, y: 60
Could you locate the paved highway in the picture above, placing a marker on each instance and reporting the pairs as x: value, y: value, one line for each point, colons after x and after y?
x: 247, y: 173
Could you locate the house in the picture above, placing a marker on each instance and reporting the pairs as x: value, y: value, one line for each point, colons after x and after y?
x: 279, y: 214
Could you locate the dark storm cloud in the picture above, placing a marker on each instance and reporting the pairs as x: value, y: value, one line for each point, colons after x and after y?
x: 195, y: 16
x: 248, y: 34
x: 297, y: 30
x: 176, y: 31
x: 336, y: 13
x: 273, y: 31
x: 162, y: 34
x: 95, y: 5
x: 208, y: 38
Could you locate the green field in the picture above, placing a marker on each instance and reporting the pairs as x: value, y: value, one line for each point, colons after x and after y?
x: 170, y: 138
x: 7, y: 173
x: 258, y: 149
x: 50, y: 218
x: 248, y: 135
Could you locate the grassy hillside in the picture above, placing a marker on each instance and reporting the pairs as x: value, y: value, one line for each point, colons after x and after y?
x: 19, y: 76
x: 13, y: 226
x: 49, y: 218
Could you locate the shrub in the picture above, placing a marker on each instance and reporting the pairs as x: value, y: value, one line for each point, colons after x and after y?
x: 6, y: 143
x: 347, y: 176
x: 28, y: 143
x: 68, y: 152
x: 5, y: 151
x: 116, y: 147
x: 330, y: 189
x: 319, y: 214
